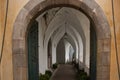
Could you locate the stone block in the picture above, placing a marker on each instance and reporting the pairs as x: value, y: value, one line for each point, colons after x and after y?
x: 20, y: 60
x: 22, y: 72
x: 100, y: 44
x: 105, y: 58
x: 107, y: 44
x: 99, y: 59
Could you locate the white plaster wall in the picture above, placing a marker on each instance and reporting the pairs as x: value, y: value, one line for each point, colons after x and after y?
x: 71, y: 53
x: 58, y: 21
x: 67, y: 51
x: 79, y: 55
x: 55, y: 40
x: 50, y: 30
x: 85, y: 26
x: 41, y: 30
x: 61, y: 51
x: 70, y: 32
x: 53, y: 53
x: 61, y: 33
x: 78, y: 38
x: 85, y: 23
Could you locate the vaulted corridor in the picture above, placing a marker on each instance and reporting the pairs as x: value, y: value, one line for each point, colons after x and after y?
x: 60, y: 35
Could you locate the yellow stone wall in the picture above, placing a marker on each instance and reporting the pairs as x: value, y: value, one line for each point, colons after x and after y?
x: 113, y: 57
x: 107, y: 8
x: 14, y: 8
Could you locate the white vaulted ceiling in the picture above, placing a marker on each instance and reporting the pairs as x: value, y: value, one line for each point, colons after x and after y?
x: 63, y: 16
x: 63, y: 20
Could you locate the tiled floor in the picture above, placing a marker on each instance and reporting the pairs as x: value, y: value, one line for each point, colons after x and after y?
x: 65, y: 72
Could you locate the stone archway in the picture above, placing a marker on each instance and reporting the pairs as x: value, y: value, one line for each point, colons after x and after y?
x: 35, y: 7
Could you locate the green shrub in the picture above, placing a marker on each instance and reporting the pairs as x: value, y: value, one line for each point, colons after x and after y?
x: 44, y: 77
x: 82, y: 75
x: 48, y: 72
x: 55, y: 66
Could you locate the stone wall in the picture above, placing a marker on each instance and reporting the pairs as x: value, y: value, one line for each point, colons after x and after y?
x: 107, y: 7
x: 6, y: 68
x: 6, y: 65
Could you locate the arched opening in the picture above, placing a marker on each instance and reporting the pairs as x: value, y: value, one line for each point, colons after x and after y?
x: 61, y: 52
x: 69, y: 52
x: 31, y: 11
x: 64, y: 51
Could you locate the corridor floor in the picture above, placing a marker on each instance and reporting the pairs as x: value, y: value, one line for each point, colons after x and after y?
x: 65, y: 72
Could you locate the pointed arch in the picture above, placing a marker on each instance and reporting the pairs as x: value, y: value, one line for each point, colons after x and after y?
x: 35, y: 7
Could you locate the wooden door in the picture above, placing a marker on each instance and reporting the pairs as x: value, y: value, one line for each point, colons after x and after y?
x: 33, y: 69
x: 93, y: 53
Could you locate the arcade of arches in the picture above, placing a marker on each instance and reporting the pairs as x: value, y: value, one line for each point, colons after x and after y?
x: 54, y: 24
x: 52, y: 31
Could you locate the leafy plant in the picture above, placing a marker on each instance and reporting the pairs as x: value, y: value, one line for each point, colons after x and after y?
x: 55, y: 66
x: 48, y: 72
x: 82, y: 75
x: 45, y: 76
